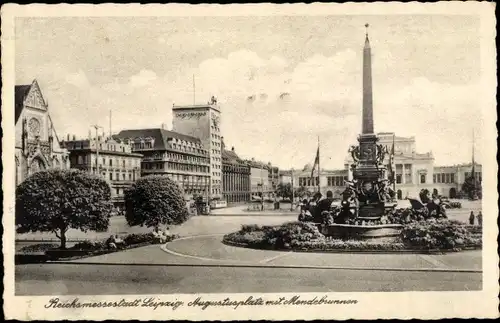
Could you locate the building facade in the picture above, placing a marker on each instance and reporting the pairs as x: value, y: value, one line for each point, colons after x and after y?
x: 180, y: 157
x: 113, y: 160
x: 37, y: 146
x: 235, y: 177
x: 203, y: 122
x: 414, y: 172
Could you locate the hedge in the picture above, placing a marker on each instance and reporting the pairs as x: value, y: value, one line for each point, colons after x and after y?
x: 422, y: 235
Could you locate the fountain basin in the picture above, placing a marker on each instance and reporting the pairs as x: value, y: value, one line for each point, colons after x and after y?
x: 361, y: 232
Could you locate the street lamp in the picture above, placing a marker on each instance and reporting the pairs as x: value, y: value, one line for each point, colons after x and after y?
x: 97, y: 127
x: 293, y: 194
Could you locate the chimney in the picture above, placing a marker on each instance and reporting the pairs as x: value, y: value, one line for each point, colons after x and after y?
x: 74, y: 137
x: 68, y: 136
x: 232, y: 149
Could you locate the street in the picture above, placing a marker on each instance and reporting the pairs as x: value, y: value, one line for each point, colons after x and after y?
x: 200, y: 263
x: 90, y: 279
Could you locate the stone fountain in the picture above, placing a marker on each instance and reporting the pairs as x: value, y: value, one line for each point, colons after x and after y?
x: 368, y: 197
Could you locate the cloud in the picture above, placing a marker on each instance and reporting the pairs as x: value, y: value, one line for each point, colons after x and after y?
x: 143, y: 78
x: 78, y: 79
x: 324, y: 99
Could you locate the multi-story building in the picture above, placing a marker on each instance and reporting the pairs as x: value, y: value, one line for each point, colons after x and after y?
x: 259, y: 179
x: 182, y: 158
x: 37, y: 146
x: 235, y: 177
x: 111, y: 159
x: 203, y: 121
x: 273, y: 177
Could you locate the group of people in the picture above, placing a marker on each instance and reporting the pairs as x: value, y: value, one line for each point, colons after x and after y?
x: 479, y: 217
x: 115, y: 242
x: 161, y: 236
x: 313, y: 208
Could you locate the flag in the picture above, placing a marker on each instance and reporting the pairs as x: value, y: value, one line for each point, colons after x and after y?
x: 316, y: 163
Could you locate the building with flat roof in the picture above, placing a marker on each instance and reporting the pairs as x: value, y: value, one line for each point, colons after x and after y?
x: 235, y: 177
x: 180, y: 157
x: 203, y: 121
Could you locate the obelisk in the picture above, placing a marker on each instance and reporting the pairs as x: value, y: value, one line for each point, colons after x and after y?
x: 367, y: 87
x: 367, y: 166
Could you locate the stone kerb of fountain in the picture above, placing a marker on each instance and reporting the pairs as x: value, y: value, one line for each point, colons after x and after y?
x: 367, y: 200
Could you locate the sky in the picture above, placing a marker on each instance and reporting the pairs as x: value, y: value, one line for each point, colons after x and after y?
x: 281, y: 82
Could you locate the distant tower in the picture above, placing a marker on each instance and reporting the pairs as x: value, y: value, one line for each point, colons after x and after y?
x: 367, y: 88
x: 203, y: 121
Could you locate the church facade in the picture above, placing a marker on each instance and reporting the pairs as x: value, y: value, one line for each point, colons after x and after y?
x: 37, y: 146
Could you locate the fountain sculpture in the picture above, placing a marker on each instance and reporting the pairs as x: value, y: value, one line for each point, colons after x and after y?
x: 368, y: 197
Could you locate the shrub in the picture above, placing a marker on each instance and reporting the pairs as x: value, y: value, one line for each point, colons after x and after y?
x: 39, y: 247
x: 90, y: 245
x: 153, y: 201
x: 134, y: 238
x: 437, y: 234
x: 454, y: 205
x: 58, y: 200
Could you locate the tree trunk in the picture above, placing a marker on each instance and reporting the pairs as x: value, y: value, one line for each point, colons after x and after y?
x: 63, y: 239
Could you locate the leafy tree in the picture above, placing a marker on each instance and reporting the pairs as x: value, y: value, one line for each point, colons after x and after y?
x: 153, y: 201
x: 302, y: 192
x: 471, y: 187
x: 284, y: 190
x: 59, y: 200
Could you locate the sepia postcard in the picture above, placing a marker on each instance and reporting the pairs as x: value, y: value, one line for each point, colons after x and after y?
x: 249, y: 161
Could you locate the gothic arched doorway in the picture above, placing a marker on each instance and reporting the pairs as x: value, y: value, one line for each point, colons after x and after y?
x: 453, y: 193
x: 400, y: 195
x: 36, y: 165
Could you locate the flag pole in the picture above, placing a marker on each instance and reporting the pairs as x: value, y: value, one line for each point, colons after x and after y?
x: 319, y: 170
x: 393, y: 164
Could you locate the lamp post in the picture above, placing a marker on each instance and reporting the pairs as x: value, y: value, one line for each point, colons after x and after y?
x: 97, y: 127
x: 293, y: 194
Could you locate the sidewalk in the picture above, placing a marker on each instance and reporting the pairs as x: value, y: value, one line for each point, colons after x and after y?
x: 244, y: 210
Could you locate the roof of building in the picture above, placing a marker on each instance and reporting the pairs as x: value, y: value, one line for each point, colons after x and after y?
x: 230, y: 155
x: 21, y: 91
x: 161, y: 136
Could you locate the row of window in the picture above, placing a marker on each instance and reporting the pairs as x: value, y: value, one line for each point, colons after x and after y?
x: 216, y: 136
x: 194, y: 159
x: 175, y: 166
x: 216, y: 144
x: 216, y: 174
x: 117, y: 177
x: 407, y: 179
x: 308, y: 181
x: 189, y: 179
x: 216, y: 151
x: 111, y: 161
x: 448, y: 178
x: 215, y: 128
x: 235, y: 183
x: 189, y: 149
x: 336, y: 180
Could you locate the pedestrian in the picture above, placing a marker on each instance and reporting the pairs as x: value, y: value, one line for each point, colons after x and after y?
x: 471, y: 218
x: 480, y: 219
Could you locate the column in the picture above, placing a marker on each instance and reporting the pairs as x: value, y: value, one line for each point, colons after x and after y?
x: 404, y: 173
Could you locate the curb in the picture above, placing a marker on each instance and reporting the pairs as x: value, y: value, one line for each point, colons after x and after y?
x: 228, y: 265
x: 404, y: 251
x: 243, y: 265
